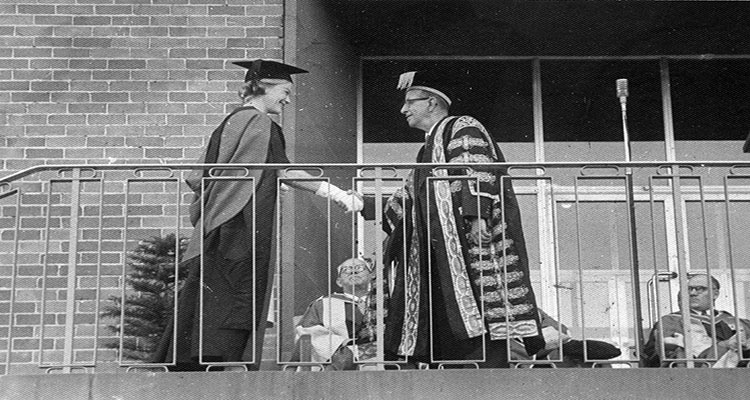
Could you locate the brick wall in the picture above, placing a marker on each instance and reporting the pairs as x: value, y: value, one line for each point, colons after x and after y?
x: 104, y: 82
x: 117, y: 81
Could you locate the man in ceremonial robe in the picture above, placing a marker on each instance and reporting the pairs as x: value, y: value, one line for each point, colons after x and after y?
x: 722, y: 339
x: 233, y: 218
x: 461, y: 286
x: 339, y: 325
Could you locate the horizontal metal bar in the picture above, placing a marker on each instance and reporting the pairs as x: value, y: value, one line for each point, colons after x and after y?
x: 192, y: 166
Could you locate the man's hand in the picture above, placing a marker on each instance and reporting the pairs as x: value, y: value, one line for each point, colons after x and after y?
x: 730, y: 344
x: 313, y: 330
x: 351, y: 202
x: 479, y: 231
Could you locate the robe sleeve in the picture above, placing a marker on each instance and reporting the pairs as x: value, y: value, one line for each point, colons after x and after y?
x: 244, y: 140
x: 313, y: 315
x: 468, y: 145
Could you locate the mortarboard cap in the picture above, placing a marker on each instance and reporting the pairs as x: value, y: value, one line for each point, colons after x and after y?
x: 429, y: 80
x: 357, y: 260
x: 264, y: 69
x: 595, y: 349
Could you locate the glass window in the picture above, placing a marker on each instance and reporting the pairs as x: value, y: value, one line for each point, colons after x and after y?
x: 710, y: 99
x: 497, y: 93
x: 581, y: 105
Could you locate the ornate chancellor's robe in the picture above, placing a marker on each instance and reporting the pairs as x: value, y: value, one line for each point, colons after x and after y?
x: 470, y: 290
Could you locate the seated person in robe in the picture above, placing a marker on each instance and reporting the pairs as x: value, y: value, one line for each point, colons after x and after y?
x: 710, y: 338
x: 338, y: 324
x: 556, y: 336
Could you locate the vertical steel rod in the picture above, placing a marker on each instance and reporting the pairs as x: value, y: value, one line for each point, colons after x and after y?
x: 70, y: 300
x: 635, y: 268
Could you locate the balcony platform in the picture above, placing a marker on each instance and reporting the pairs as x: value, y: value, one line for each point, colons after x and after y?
x: 413, y: 384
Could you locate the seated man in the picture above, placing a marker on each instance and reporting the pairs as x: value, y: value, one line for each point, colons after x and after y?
x: 718, y: 341
x: 572, y: 349
x: 338, y: 324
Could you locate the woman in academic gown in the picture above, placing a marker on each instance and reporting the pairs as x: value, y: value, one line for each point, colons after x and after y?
x: 234, y: 218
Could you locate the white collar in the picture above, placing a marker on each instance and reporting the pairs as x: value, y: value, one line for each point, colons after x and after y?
x: 428, y: 133
x: 354, y: 298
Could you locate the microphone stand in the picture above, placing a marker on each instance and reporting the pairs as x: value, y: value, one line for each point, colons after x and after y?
x: 630, y: 199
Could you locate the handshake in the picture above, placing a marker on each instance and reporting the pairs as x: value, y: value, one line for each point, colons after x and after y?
x: 350, y: 200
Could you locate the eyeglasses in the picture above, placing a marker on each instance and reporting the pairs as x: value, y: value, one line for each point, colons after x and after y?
x: 353, y: 269
x: 699, y: 289
x: 408, y: 102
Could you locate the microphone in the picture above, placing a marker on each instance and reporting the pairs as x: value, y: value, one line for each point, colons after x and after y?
x: 622, y: 93
x: 666, y: 276
x: 622, y: 90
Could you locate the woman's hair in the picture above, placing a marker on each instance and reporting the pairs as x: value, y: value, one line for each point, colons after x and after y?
x: 257, y: 87
x: 251, y: 89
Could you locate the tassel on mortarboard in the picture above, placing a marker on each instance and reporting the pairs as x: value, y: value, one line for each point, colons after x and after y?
x: 428, y: 80
x: 252, y: 72
x: 406, y: 79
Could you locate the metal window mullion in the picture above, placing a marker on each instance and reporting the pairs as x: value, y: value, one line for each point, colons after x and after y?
x: 666, y: 98
x: 545, y: 202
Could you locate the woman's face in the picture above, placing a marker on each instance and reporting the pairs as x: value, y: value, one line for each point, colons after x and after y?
x: 276, y: 97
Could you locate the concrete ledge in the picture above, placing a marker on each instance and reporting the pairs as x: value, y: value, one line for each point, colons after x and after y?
x: 414, y: 384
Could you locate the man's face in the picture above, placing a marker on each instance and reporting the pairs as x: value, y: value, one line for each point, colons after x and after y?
x: 276, y: 97
x: 416, y: 109
x: 700, y: 297
x: 353, y: 273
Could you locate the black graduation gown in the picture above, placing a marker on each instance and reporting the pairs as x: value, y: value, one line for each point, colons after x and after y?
x: 231, y: 321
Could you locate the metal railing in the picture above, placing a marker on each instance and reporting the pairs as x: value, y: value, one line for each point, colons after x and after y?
x: 74, y: 238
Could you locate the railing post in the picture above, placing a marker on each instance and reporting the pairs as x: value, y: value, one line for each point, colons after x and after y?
x: 70, y: 299
x: 379, y: 290
x: 635, y: 267
x: 683, y: 264
x: 13, y: 276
